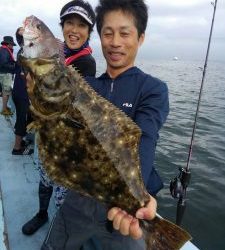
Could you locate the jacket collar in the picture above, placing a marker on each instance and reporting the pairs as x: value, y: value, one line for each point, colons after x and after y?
x: 130, y: 71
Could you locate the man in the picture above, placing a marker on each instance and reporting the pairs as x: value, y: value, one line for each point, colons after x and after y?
x: 21, y: 101
x: 121, y: 25
x: 0, y: 89
x: 7, y: 69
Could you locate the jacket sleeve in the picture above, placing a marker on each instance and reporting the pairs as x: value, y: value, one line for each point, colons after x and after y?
x: 151, y: 113
x: 6, y: 64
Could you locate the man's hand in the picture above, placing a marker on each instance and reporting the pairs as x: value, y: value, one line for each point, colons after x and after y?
x: 129, y: 225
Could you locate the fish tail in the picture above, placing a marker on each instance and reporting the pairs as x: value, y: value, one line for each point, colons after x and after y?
x: 161, y: 234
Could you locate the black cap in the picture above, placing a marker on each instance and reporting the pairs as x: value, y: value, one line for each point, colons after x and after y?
x: 81, y: 8
x: 8, y: 40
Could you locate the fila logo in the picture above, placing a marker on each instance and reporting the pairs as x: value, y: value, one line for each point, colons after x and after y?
x: 128, y: 105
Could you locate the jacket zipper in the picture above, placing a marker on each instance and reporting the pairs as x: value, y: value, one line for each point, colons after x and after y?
x: 112, y: 84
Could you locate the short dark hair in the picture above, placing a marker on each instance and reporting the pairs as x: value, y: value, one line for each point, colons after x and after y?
x: 137, y: 8
x: 81, y: 3
x: 19, y: 38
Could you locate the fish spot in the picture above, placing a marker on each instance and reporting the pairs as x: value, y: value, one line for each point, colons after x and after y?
x: 91, y: 140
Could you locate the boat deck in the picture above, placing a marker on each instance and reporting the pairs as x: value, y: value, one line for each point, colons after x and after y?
x: 19, y: 195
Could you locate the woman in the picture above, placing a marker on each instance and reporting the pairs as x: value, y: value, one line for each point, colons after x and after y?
x: 77, y: 26
x: 77, y: 20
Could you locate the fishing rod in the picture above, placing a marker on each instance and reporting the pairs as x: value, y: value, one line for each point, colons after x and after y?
x: 178, y: 186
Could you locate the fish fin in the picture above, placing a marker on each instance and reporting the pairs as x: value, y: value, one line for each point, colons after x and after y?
x: 161, y: 234
x: 33, y: 126
x: 61, y: 50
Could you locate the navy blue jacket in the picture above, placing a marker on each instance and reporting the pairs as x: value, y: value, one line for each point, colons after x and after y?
x: 19, y: 87
x: 7, y: 65
x: 145, y: 100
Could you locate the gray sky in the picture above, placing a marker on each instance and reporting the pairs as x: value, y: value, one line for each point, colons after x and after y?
x: 176, y: 27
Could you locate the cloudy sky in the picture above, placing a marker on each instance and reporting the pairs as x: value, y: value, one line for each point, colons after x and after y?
x: 176, y: 27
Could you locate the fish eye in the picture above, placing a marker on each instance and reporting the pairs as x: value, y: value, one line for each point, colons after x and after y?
x: 38, y: 26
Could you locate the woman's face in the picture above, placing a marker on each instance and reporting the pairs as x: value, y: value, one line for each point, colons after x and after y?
x: 20, y: 31
x: 75, y: 31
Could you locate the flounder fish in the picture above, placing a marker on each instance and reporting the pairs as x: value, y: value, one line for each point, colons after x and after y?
x: 85, y: 142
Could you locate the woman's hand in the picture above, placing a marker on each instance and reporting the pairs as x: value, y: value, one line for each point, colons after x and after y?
x: 29, y: 83
x: 129, y: 225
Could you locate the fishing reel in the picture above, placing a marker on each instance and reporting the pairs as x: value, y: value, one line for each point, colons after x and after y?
x: 178, y: 188
x: 179, y: 184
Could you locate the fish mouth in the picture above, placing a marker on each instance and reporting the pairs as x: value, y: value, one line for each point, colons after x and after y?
x: 30, y: 39
x: 31, y: 43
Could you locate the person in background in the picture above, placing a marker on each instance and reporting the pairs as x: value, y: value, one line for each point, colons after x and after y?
x: 77, y: 20
x: 121, y: 25
x: 7, y: 69
x: 0, y: 89
x: 21, y: 101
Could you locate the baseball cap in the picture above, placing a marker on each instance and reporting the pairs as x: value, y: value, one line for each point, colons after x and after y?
x: 81, y: 8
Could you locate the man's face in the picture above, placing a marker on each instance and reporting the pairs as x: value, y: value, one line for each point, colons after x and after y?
x: 10, y: 45
x: 120, y: 42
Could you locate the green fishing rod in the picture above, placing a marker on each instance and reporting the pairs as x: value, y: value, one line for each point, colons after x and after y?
x: 178, y: 186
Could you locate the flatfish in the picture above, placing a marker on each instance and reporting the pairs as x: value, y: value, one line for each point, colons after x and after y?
x: 85, y: 142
